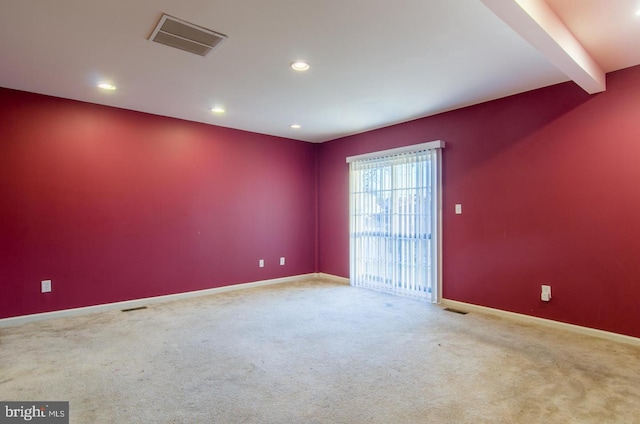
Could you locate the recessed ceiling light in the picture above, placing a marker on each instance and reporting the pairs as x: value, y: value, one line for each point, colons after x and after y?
x: 218, y: 110
x: 107, y: 86
x: 295, y: 126
x: 299, y: 66
x: 638, y: 12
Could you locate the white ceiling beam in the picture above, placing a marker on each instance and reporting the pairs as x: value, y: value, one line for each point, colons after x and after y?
x: 539, y: 25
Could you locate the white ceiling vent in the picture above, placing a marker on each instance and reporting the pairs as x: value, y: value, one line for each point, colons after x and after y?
x: 186, y: 36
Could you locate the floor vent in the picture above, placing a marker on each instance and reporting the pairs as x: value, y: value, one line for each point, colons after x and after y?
x: 137, y: 308
x: 455, y: 311
x: 186, y: 36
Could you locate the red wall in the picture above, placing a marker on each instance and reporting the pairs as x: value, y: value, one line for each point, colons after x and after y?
x: 115, y: 205
x: 549, y: 184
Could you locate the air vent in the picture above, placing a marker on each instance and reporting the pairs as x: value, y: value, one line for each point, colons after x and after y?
x: 137, y: 308
x: 186, y: 36
x: 455, y: 311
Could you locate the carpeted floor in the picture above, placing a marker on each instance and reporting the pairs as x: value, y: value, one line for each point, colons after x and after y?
x: 316, y: 352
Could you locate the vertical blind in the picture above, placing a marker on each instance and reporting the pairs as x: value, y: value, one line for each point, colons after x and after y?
x: 394, y: 223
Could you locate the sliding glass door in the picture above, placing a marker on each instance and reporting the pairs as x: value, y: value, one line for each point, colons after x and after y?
x: 395, y: 220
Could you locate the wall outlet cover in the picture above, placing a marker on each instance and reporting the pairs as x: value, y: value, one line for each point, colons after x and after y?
x: 545, y: 295
x: 45, y: 286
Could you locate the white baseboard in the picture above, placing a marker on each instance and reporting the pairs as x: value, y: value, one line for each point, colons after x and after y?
x: 23, y: 319
x: 335, y: 278
x: 468, y: 307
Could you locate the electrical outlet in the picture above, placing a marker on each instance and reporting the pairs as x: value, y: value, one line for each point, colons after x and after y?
x: 45, y: 286
x: 545, y: 295
x: 282, y: 260
x: 261, y: 263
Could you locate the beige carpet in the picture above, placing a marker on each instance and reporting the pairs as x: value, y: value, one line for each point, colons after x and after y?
x: 316, y: 352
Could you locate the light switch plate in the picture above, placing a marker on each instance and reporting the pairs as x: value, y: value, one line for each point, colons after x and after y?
x: 458, y: 209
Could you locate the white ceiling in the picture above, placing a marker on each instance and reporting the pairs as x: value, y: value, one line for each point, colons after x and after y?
x: 373, y: 62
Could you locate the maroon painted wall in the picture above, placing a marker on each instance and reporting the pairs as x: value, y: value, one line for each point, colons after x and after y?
x: 549, y: 185
x: 115, y: 205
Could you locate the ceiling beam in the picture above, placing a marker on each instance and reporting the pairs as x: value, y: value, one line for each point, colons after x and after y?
x: 539, y: 25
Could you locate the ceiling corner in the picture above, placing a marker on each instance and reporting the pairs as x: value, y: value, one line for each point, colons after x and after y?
x: 541, y: 27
